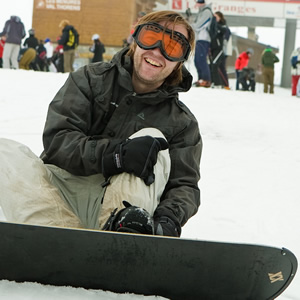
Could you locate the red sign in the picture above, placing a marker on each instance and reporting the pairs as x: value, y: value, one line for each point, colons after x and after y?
x: 177, y: 4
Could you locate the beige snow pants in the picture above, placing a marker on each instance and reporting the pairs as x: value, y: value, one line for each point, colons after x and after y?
x: 36, y: 193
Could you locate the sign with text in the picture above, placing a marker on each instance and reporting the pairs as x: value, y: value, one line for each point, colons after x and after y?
x: 250, y: 8
x: 73, y: 5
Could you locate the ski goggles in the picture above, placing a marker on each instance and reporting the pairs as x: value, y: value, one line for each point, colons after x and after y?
x: 173, y: 45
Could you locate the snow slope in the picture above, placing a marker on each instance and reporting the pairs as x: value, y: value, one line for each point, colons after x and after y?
x: 250, y: 167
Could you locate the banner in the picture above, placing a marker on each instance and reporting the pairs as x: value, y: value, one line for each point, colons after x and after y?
x: 250, y: 8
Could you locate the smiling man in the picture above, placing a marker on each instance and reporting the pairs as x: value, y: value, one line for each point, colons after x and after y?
x: 121, y: 152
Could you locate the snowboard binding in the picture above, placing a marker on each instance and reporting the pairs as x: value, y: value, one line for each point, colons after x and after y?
x: 131, y: 219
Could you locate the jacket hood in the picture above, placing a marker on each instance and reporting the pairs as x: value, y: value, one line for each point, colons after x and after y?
x: 15, y: 19
x: 205, y: 6
x: 125, y: 64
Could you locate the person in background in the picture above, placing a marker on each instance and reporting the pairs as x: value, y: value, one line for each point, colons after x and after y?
x: 49, y: 50
x: 115, y: 131
x: 31, y: 41
x: 2, y: 43
x: 41, y: 57
x: 217, y: 52
x: 14, y: 31
x: 58, y: 57
x: 201, y: 27
x: 247, y: 79
x: 69, y: 40
x: 241, y: 63
x: 227, y: 51
x: 295, y: 69
x: 27, y: 56
x: 98, y: 48
x: 268, y: 59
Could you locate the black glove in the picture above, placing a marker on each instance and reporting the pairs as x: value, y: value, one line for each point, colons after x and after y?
x: 166, y: 226
x: 137, y: 156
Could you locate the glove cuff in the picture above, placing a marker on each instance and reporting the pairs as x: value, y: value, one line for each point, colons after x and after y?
x: 111, y: 159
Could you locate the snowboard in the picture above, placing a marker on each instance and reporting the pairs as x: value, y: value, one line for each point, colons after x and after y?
x: 174, y: 268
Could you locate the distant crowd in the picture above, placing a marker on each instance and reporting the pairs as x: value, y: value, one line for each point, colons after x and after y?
x: 213, y: 46
x: 40, y: 54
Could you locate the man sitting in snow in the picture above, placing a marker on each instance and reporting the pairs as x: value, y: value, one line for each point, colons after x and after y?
x: 115, y: 131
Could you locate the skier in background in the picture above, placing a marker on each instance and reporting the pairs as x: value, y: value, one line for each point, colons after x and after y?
x: 217, y: 53
x: 227, y: 50
x: 201, y: 27
x: 115, y: 131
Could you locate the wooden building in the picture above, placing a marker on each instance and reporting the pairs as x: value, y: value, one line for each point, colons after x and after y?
x: 111, y: 19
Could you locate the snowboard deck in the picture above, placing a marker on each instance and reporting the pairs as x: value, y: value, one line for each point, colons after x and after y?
x: 174, y: 268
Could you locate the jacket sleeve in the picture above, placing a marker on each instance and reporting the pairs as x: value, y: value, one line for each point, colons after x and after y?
x: 181, y: 197
x: 238, y: 63
x: 64, y: 38
x: 4, y: 32
x: 23, y: 31
x: 66, y: 138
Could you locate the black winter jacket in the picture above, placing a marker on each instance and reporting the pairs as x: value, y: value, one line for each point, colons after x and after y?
x: 70, y: 38
x: 98, y: 49
x: 31, y: 42
x: 217, y: 42
x: 82, y: 121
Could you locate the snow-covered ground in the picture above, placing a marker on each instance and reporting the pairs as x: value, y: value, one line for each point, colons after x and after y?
x: 250, y: 167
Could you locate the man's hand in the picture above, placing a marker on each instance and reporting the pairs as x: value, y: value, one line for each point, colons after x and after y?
x: 137, y: 156
x: 166, y: 226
